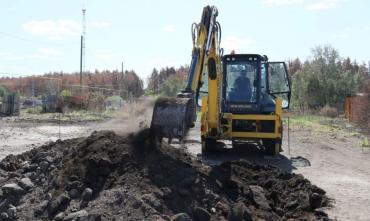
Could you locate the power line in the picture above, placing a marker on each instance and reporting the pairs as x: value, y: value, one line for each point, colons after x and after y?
x: 31, y: 40
x: 19, y: 38
x: 51, y: 78
x: 72, y: 85
x: 92, y: 87
x: 11, y: 74
x: 89, y: 87
x: 83, y: 38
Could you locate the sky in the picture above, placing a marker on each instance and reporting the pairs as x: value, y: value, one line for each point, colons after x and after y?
x: 39, y: 36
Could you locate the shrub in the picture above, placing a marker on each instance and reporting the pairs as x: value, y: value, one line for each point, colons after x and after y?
x: 34, y: 110
x: 65, y: 94
x: 328, y: 111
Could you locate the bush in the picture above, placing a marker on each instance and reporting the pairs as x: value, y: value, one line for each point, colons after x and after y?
x: 148, y: 93
x: 78, y: 101
x: 34, y: 110
x: 65, y: 94
x: 328, y: 111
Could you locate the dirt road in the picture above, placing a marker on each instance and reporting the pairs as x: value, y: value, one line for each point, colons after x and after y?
x: 340, y: 166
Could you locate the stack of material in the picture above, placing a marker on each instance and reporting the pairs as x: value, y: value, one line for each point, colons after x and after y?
x: 111, y: 177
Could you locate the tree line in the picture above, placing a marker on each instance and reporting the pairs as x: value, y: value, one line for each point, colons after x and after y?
x: 105, y: 82
x: 325, y: 79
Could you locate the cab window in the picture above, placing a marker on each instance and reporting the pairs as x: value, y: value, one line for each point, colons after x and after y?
x: 240, y: 78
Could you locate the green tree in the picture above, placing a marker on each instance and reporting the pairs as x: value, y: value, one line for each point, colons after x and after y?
x: 325, y: 79
x: 171, y: 87
x: 153, y: 84
x: 168, y: 81
x: 2, y: 91
x: 313, y: 91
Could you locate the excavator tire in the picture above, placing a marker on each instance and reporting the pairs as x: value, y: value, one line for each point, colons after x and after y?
x: 272, y: 146
x: 208, y: 145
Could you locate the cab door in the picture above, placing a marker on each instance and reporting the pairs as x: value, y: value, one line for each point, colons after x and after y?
x: 278, y: 83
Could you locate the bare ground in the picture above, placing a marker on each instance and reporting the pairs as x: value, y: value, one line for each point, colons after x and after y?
x: 17, y: 137
x: 340, y: 166
x: 333, y: 160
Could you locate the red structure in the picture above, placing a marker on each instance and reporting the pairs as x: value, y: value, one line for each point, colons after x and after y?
x: 357, y: 108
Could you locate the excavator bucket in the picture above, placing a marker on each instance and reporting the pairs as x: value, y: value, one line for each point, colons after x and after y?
x: 172, y: 117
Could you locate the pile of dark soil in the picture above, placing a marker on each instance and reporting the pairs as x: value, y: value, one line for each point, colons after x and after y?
x: 111, y: 177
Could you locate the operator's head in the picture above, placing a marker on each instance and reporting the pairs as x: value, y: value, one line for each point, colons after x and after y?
x: 243, y: 73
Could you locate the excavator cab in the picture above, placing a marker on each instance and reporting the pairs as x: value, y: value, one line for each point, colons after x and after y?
x: 241, y: 83
x: 251, y: 84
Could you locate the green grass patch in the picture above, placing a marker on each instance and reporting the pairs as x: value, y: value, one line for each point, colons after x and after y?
x: 321, y: 124
x: 309, y: 121
x: 35, y: 114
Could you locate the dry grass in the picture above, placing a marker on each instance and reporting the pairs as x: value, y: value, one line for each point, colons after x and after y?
x: 328, y: 111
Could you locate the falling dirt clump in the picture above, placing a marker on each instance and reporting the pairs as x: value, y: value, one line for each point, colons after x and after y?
x: 110, y: 177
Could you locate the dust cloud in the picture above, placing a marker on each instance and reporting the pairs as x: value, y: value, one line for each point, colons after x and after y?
x: 134, y: 116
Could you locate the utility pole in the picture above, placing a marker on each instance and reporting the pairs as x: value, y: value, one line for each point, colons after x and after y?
x: 84, y: 37
x: 33, y: 87
x: 81, y: 51
x: 20, y: 85
x: 122, y: 67
x: 83, y: 44
x: 121, y: 82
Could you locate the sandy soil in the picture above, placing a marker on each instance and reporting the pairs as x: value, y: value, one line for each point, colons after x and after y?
x: 340, y: 166
x: 17, y: 137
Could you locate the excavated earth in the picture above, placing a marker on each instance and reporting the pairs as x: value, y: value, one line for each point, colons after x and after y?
x: 110, y: 177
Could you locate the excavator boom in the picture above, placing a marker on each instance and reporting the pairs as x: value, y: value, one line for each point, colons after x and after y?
x: 172, y: 117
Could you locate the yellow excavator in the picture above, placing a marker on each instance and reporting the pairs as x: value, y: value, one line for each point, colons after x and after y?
x: 241, y: 96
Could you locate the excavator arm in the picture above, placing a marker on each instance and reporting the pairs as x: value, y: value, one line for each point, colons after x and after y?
x: 172, y: 117
x: 204, y: 36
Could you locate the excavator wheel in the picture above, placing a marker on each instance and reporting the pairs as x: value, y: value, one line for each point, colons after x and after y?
x: 208, y: 145
x: 272, y: 146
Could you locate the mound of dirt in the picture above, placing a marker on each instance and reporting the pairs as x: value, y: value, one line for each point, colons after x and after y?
x: 111, y: 177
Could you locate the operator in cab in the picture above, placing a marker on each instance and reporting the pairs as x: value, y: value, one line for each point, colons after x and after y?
x: 243, y: 86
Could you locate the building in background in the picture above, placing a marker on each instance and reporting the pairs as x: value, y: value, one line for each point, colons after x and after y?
x: 10, y: 104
